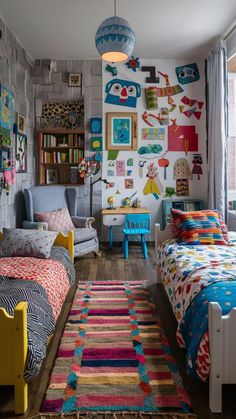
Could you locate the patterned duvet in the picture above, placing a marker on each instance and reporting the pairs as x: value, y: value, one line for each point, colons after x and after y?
x: 193, y: 276
x: 44, y: 289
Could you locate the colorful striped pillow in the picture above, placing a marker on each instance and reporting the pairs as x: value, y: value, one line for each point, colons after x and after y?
x: 198, y: 227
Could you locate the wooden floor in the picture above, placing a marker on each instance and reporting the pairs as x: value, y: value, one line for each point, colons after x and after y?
x: 112, y: 266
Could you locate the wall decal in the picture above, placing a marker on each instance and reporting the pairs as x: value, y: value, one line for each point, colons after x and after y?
x: 112, y: 70
x: 164, y: 116
x: 110, y: 172
x: 150, y: 119
x: 130, y: 162
x: 6, y: 108
x: 181, y: 108
x: 112, y: 154
x: 197, y: 165
x: 168, y: 90
x: 170, y: 191
x: 133, y: 63
x: 141, y: 164
x: 197, y: 114
x: 200, y: 104
x: 163, y: 162
x: 122, y: 92
x: 112, y: 163
x: 190, y: 112
x: 152, y: 71
x: 120, y: 168
x: 95, y: 125
x: 154, y: 134
x: 153, y: 185
x: 129, y: 172
x: 151, y: 148
x: 182, y: 187
x: 129, y: 183
x: 188, y: 102
x: 187, y: 73
x: 96, y: 143
x: 182, y: 138
x: 151, y: 98
x: 174, y: 123
x: 181, y: 169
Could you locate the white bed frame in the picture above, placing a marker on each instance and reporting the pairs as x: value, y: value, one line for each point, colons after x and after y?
x: 222, y: 339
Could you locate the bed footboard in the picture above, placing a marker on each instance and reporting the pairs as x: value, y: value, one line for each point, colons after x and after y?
x: 222, y: 342
x: 13, y: 352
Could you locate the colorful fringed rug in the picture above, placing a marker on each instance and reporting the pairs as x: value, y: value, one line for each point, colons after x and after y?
x: 114, y: 357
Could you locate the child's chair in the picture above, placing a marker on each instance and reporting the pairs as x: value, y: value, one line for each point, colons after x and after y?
x: 136, y: 224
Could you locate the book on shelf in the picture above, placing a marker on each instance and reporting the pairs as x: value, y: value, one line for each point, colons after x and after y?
x: 73, y: 155
x: 63, y: 140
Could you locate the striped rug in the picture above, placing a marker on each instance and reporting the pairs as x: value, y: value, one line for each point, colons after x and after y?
x: 114, y: 357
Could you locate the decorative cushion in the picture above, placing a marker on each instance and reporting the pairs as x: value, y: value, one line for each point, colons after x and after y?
x: 28, y: 243
x: 198, y: 227
x: 223, y: 226
x: 84, y: 234
x: 58, y: 220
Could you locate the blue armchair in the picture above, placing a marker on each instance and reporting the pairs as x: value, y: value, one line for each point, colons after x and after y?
x: 51, y: 198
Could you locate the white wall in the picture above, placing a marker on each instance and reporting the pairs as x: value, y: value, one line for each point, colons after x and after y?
x: 195, y: 90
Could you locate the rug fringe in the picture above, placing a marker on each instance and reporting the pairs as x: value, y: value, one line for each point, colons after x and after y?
x: 113, y: 415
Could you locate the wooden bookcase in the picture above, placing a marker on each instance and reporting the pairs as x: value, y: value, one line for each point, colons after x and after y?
x: 180, y: 204
x: 59, y: 152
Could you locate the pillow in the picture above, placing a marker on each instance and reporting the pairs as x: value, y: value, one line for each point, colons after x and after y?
x: 28, y: 243
x: 58, y: 220
x: 198, y: 227
x: 223, y: 226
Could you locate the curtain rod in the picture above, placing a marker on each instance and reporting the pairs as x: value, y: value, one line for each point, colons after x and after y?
x: 229, y: 31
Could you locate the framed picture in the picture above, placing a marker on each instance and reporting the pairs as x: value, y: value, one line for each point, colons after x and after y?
x: 51, y: 176
x: 74, y: 79
x: 21, y: 123
x: 21, y: 153
x: 6, y: 108
x: 5, y: 158
x: 121, y: 131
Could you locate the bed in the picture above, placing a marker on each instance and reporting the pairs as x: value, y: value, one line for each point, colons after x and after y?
x: 200, y: 282
x: 27, y: 325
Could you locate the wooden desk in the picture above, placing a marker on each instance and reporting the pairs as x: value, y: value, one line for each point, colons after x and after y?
x: 116, y: 217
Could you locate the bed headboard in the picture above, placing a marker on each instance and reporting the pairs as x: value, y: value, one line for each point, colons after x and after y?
x: 65, y: 240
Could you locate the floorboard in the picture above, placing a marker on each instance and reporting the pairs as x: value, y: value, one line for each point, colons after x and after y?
x: 112, y: 266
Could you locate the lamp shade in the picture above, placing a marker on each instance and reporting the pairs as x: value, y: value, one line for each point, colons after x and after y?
x: 115, y: 39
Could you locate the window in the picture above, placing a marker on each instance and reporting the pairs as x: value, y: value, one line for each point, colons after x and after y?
x: 231, y: 163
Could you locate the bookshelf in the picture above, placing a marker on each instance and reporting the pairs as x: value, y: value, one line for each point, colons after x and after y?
x: 183, y: 205
x: 59, y: 152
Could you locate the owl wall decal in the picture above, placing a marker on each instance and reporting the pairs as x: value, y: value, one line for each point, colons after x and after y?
x: 122, y: 92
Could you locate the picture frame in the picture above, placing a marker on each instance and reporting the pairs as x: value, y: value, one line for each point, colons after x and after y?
x: 74, y: 79
x: 121, y: 131
x: 5, y: 157
x: 21, y: 153
x: 21, y: 123
x: 51, y: 176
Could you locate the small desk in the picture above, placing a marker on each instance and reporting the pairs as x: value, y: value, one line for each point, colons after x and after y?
x: 116, y: 217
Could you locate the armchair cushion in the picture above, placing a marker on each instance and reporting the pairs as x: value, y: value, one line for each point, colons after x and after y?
x: 58, y: 220
x: 84, y: 234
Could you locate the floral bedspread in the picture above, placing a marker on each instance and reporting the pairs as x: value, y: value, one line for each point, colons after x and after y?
x: 193, y: 276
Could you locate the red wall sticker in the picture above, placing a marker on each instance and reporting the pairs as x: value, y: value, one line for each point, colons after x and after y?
x: 182, y: 138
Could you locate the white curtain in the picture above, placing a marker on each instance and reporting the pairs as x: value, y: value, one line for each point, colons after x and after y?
x: 217, y: 126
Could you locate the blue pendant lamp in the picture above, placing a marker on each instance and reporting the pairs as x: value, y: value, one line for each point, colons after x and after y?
x: 115, y: 39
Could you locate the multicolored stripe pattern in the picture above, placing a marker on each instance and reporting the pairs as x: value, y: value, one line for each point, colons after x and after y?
x: 198, y: 227
x: 113, y: 355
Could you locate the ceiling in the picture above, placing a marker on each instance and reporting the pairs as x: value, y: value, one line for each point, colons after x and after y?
x: 65, y: 29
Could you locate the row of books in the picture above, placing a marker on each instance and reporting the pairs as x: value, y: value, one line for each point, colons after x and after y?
x: 69, y: 140
x: 70, y: 156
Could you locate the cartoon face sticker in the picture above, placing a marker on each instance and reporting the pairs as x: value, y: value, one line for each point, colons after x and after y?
x: 182, y: 169
x: 122, y: 92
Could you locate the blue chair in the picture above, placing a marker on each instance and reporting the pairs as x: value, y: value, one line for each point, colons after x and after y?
x: 136, y: 224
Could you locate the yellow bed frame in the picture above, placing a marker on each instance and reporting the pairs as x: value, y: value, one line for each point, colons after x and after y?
x: 14, y: 342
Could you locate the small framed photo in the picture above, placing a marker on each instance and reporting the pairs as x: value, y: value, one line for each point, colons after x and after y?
x: 74, y: 79
x: 121, y: 131
x: 129, y: 183
x: 21, y: 123
x: 21, y: 153
x: 51, y: 176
